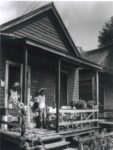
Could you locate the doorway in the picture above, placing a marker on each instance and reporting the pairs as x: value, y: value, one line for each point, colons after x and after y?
x: 14, y: 74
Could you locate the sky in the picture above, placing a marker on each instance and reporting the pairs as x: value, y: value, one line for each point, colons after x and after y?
x: 83, y: 19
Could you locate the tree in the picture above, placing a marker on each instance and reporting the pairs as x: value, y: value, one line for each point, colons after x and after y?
x: 106, y: 35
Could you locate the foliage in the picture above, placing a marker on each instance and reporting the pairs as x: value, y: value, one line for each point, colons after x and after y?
x: 82, y: 104
x: 97, y: 141
x: 106, y: 34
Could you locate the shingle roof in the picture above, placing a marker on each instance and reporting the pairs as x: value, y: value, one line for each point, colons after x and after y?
x: 98, y: 55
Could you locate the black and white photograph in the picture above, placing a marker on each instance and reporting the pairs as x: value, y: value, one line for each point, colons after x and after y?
x: 56, y: 75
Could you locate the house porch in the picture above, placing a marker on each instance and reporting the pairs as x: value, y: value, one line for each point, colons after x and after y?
x: 35, y: 68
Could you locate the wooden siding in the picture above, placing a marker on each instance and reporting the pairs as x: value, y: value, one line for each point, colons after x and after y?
x: 2, y: 77
x: 85, y: 85
x: 106, y: 82
x: 73, y: 85
x: 107, y: 63
x: 44, y: 29
x: 108, y: 97
x: 43, y: 78
x: 43, y: 74
x: 46, y: 78
x: 63, y: 99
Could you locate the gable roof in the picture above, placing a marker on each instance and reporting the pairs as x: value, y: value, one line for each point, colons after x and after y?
x: 98, y: 55
x: 21, y: 27
x: 54, y: 32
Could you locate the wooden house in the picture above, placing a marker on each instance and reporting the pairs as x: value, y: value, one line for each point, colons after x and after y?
x: 37, y: 51
x: 103, y: 57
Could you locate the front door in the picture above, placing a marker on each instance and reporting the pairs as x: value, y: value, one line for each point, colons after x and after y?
x: 14, y: 75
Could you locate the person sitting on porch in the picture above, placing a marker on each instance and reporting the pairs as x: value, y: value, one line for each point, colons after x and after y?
x: 13, y: 100
x: 42, y: 106
x: 15, y: 93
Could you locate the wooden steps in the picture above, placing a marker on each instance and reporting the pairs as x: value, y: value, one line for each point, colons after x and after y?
x: 71, y: 149
x: 56, y: 145
x: 49, y: 141
x: 79, y: 131
x: 48, y: 138
x: 51, y: 138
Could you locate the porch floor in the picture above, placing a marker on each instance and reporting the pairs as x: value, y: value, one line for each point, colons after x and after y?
x: 14, y: 137
x: 103, y: 121
x: 106, y: 124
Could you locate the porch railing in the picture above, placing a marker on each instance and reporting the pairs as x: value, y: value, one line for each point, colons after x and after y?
x: 68, y: 118
x: 71, y: 117
x: 4, y: 115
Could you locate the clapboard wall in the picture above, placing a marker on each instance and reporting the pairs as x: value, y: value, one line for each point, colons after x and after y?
x: 44, y: 29
x: 86, y: 84
x: 2, y: 77
x: 47, y: 78
x: 43, y: 78
x: 42, y: 75
x: 106, y: 82
x: 73, y: 85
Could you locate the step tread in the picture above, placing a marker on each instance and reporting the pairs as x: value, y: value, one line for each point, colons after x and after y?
x: 56, y: 144
x: 48, y: 138
x: 71, y: 149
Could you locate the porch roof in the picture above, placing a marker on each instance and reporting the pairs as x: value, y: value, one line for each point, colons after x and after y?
x: 102, y: 56
x: 97, y: 55
x: 74, y: 60
x: 80, y: 62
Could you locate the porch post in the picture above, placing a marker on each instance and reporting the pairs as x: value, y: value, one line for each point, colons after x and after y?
x: 97, y: 91
x: 97, y: 88
x: 94, y: 88
x: 24, y: 118
x: 25, y: 76
x: 58, y: 96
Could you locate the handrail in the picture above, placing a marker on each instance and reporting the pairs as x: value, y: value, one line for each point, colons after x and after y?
x: 78, y: 117
x: 11, y: 124
x: 84, y: 116
x: 77, y: 122
x: 78, y: 110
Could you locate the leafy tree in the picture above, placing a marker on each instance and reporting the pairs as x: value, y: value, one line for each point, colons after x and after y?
x: 106, y: 35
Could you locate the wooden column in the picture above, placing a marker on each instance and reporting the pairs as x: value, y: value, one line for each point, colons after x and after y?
x: 97, y: 88
x: 58, y: 95
x: 24, y: 118
x: 93, y: 89
x: 97, y: 92
x: 25, y: 77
